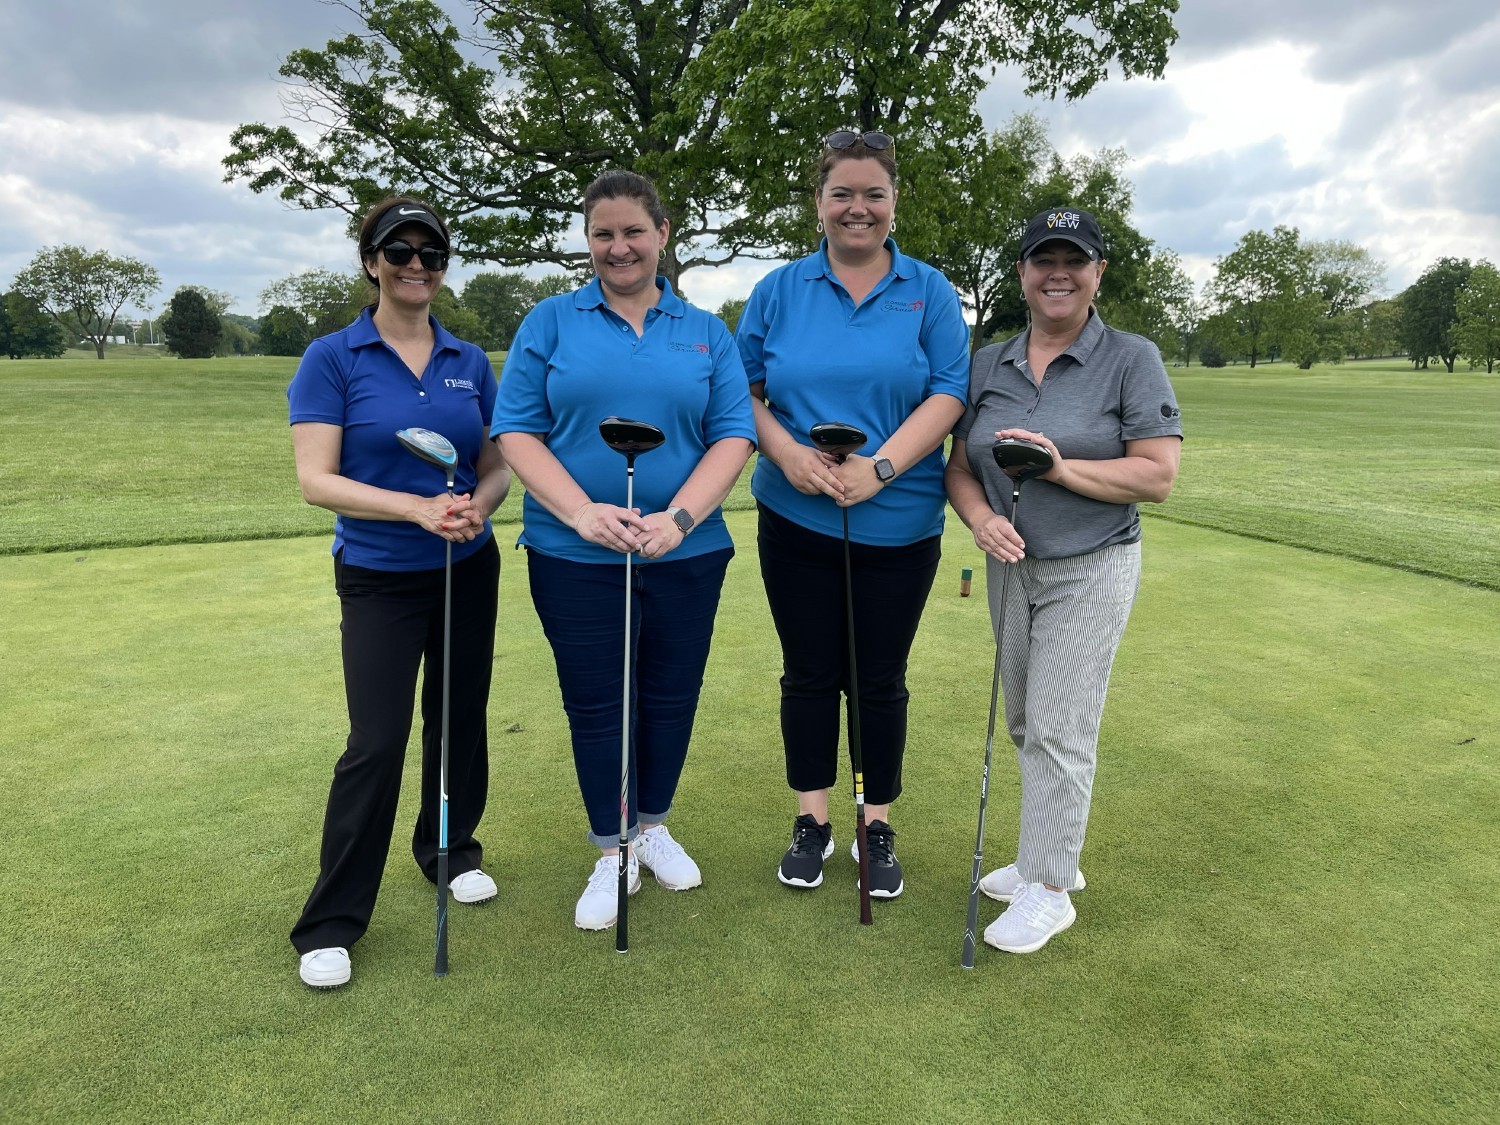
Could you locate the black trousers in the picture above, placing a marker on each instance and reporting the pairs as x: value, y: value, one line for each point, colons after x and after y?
x: 392, y: 625
x: 803, y: 572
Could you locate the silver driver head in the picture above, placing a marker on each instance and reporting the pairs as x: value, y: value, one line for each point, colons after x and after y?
x: 431, y: 447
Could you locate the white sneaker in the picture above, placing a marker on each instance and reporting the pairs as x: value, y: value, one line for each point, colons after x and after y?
x: 1033, y: 917
x: 599, y: 903
x: 1003, y: 885
x: 325, y: 968
x: 664, y: 857
x: 473, y: 886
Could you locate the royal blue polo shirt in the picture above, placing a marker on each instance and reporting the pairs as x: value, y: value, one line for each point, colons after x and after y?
x: 822, y: 359
x: 354, y: 380
x: 575, y: 362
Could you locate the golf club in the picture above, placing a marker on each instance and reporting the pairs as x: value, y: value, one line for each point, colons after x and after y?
x: 438, y: 450
x: 838, y: 440
x: 624, y: 435
x: 1020, y: 460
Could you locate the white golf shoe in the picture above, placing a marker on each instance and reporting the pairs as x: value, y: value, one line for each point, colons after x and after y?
x: 1003, y: 885
x: 664, y: 858
x: 1034, y: 917
x: 325, y: 968
x: 598, y: 905
x: 473, y: 886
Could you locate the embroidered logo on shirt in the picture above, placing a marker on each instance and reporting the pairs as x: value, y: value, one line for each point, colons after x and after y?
x: 902, y: 306
x: 466, y: 384
x: 1170, y: 411
x: 701, y: 349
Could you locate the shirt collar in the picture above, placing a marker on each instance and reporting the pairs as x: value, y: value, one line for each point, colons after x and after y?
x: 1080, y: 349
x: 591, y: 296
x: 816, y: 265
x: 363, y: 332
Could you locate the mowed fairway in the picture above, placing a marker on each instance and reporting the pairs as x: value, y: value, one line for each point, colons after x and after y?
x: 1292, y: 858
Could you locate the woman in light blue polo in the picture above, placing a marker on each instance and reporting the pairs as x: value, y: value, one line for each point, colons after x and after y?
x: 859, y: 333
x: 626, y: 345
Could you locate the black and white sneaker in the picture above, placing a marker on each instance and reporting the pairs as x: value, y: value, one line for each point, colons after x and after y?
x: 812, y: 843
x: 885, y: 868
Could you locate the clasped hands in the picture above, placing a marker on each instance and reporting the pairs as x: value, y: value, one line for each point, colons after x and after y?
x: 625, y: 529
x: 848, y: 483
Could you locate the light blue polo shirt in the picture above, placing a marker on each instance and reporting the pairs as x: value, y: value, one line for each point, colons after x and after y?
x: 824, y: 360
x: 354, y: 380
x: 576, y: 362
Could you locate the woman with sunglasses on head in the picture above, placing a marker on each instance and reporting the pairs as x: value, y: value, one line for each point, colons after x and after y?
x: 626, y: 345
x: 394, y: 368
x: 856, y: 332
x: 1101, y: 405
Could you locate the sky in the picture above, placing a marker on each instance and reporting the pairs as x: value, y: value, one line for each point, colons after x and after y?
x: 1376, y: 121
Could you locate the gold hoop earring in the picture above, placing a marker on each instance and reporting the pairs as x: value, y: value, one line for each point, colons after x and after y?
x: 661, y: 255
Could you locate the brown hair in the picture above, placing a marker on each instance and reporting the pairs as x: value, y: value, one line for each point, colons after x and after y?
x: 885, y: 157
x: 617, y: 184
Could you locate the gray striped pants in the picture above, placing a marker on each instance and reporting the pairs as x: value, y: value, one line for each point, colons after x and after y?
x: 1063, y: 622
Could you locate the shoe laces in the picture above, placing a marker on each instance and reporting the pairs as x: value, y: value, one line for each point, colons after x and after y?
x: 882, y: 843
x: 606, y: 874
x: 807, y: 839
x: 1033, y: 902
x: 659, y: 845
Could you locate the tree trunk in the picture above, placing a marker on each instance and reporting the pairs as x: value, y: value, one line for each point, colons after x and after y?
x: 98, y: 345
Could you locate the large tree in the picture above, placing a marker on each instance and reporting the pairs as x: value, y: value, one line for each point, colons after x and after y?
x: 89, y: 287
x: 1477, y: 332
x: 191, y: 326
x: 720, y: 101
x: 27, y: 331
x: 1258, y: 290
x: 1006, y: 177
x: 328, y: 300
x: 502, y: 300
x: 1429, y: 311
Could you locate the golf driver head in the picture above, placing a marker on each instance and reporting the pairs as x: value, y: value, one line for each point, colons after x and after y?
x: 837, y: 439
x: 431, y: 447
x: 627, y: 436
x: 1020, y: 459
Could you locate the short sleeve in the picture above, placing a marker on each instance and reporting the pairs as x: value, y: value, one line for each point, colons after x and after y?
x: 318, y: 390
x: 521, y: 405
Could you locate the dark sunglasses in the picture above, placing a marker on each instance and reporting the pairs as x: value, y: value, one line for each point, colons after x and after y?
x: 846, y: 138
x: 398, y: 253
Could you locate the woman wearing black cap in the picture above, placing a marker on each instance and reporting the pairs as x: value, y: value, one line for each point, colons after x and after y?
x: 394, y: 368
x: 1100, y: 402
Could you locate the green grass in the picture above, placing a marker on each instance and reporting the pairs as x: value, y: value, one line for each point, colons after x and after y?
x: 1370, y: 461
x: 1292, y: 864
x: 1292, y: 855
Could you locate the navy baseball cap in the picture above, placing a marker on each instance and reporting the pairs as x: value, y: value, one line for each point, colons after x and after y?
x: 404, y: 214
x: 1068, y: 224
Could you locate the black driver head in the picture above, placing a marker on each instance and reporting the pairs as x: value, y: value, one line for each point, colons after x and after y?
x: 837, y: 439
x: 1020, y: 459
x: 627, y: 436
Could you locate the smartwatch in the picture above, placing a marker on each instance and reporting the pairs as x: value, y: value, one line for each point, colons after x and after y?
x: 884, y: 469
x: 682, y: 518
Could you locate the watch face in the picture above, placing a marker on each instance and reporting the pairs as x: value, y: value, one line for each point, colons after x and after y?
x: 884, y: 469
x: 683, y: 520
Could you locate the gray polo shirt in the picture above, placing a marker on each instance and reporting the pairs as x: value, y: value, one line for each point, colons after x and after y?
x: 1107, y: 388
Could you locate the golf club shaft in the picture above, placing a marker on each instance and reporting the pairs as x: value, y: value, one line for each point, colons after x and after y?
x: 440, y: 963
x: 856, y: 753
x: 972, y: 925
x: 622, y: 909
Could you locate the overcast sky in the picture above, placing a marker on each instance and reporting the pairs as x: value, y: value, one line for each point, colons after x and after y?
x: 1376, y: 121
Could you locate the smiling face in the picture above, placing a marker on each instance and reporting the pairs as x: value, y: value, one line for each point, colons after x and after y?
x: 625, y: 246
x: 856, y: 205
x: 1059, y: 282
x: 409, y: 285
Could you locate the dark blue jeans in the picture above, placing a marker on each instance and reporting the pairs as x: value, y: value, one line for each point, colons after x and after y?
x: 582, y: 610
